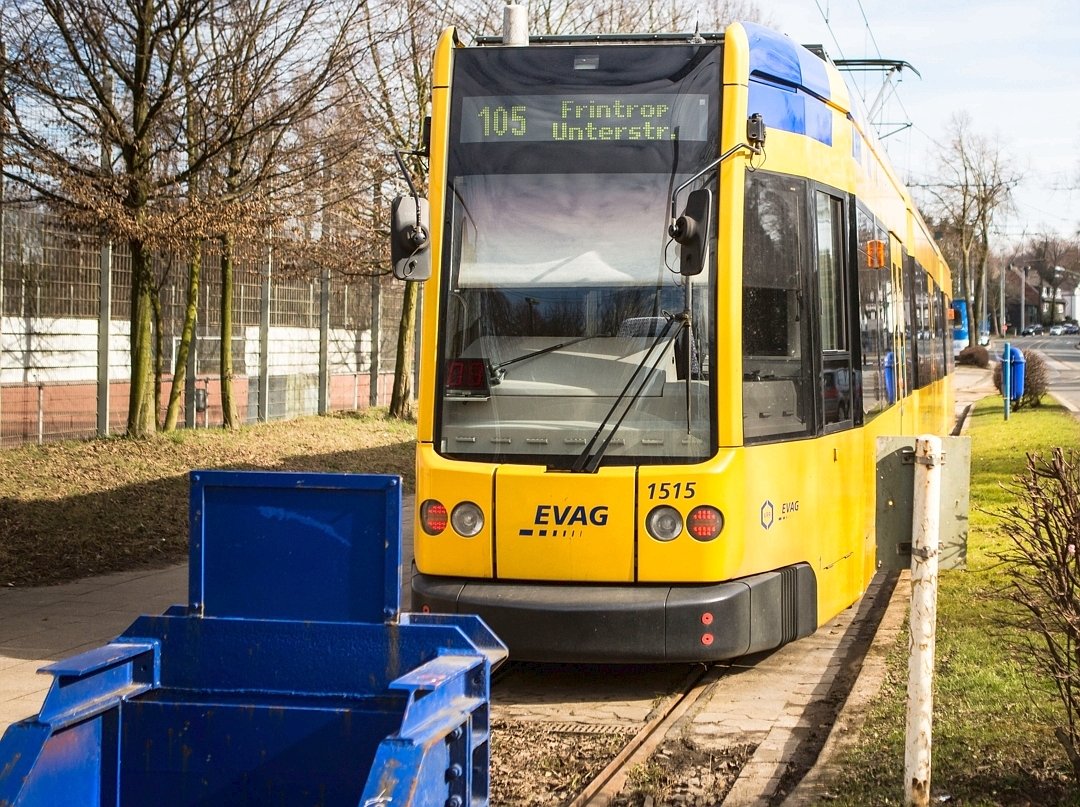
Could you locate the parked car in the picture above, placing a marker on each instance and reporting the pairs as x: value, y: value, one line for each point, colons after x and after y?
x: 1071, y: 328
x: 1032, y: 330
x: 1057, y: 330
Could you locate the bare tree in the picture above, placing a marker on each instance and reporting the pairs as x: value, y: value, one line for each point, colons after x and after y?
x: 973, y: 185
x: 63, y: 59
x: 257, y: 69
x: 276, y: 66
x: 1005, y: 260
x: 396, y: 85
x: 625, y: 16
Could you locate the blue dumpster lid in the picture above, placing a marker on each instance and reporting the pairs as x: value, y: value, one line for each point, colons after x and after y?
x: 297, y: 546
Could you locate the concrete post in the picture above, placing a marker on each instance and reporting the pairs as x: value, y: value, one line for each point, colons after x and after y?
x: 324, y: 341
x: 924, y: 577
x: 264, y: 335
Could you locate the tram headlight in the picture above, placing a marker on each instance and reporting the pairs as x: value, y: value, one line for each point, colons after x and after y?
x: 704, y: 523
x: 433, y: 516
x: 468, y: 519
x: 664, y: 523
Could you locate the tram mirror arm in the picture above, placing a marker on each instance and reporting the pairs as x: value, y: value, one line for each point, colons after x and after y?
x: 691, y: 229
x: 410, y: 241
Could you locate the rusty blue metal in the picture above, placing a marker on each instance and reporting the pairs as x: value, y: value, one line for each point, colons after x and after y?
x: 290, y: 677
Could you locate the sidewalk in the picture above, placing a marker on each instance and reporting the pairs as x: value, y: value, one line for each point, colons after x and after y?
x: 42, y: 625
x: 970, y: 385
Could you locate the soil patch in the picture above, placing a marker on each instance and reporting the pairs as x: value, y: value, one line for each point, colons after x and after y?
x: 543, y: 765
x: 681, y: 772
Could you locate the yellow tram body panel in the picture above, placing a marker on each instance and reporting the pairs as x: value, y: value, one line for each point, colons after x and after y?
x: 449, y: 553
x: 558, y: 526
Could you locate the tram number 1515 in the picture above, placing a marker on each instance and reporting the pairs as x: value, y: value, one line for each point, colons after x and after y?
x: 671, y: 490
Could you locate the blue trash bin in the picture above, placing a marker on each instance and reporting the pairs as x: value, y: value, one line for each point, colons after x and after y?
x: 1016, y: 369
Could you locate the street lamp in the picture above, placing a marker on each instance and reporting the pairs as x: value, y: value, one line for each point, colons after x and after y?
x: 1022, y: 271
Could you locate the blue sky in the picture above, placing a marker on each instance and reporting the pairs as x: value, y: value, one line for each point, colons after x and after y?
x: 1014, y: 68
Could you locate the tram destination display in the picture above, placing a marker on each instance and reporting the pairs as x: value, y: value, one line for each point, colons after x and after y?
x: 584, y: 118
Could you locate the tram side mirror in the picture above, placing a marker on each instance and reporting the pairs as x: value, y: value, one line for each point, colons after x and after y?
x: 410, y: 244
x: 691, y: 232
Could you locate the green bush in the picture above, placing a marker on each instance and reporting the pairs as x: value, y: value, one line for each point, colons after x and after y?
x: 975, y: 356
x: 1036, y: 380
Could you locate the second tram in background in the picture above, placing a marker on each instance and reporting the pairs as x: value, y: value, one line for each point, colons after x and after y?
x: 676, y: 293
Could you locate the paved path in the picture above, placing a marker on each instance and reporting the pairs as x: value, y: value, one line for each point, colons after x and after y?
x: 42, y: 625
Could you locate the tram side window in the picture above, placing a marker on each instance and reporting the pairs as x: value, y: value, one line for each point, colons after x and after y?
x: 923, y: 340
x: 938, y: 369
x: 908, y: 307
x: 891, y: 315
x: 776, y: 388
x: 950, y: 359
x: 944, y: 343
x: 874, y: 293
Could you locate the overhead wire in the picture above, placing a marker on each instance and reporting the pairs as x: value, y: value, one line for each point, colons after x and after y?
x: 828, y: 26
x: 861, y: 86
x: 869, y: 32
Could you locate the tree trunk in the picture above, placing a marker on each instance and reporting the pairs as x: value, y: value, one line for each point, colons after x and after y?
x: 141, y: 419
x: 229, y: 419
x: 191, y: 313
x: 401, y: 399
x: 159, y: 350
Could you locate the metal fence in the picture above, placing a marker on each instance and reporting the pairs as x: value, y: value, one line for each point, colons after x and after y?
x: 301, y: 345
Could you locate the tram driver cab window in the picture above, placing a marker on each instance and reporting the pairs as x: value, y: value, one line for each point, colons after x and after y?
x: 776, y: 388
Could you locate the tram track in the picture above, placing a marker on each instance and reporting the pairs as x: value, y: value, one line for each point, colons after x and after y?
x: 560, y: 731
x: 610, y: 781
x: 733, y: 732
x: 599, y: 744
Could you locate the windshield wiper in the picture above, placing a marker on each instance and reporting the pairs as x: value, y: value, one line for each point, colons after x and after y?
x: 588, y: 460
x: 496, y: 371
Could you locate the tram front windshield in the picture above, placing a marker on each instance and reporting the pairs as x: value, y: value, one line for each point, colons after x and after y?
x: 569, y: 337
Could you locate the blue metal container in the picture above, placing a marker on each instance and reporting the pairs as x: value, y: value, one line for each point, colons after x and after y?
x: 1016, y: 369
x: 290, y: 678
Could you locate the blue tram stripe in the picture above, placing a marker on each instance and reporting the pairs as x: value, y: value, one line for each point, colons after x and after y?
x: 788, y: 85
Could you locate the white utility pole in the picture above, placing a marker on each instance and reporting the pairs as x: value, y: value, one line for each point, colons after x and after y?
x: 924, y: 579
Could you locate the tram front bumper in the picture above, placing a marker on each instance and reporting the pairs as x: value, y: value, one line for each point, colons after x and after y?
x: 641, y: 623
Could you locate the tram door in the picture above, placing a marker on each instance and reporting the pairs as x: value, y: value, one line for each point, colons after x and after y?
x: 902, y: 333
x: 837, y: 389
x: 898, y: 332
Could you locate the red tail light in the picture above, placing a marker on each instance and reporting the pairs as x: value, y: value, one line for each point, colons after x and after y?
x: 705, y: 523
x: 433, y: 517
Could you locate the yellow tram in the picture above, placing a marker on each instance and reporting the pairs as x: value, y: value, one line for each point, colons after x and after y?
x: 676, y: 293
